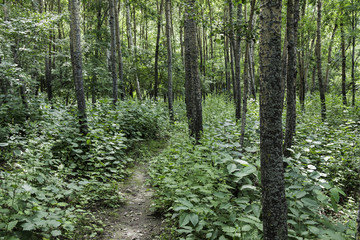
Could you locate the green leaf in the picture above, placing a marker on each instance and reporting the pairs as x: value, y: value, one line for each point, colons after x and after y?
x: 300, y: 194
x: 314, y: 230
x: 185, y: 202
x: 11, y: 225
x: 3, y: 144
x: 180, y: 208
x: 335, y: 194
x: 184, y: 219
x: 309, y: 202
x: 194, y: 219
x: 245, y: 171
x: 231, y: 168
x: 55, y: 233
x: 248, y: 187
x: 28, y: 226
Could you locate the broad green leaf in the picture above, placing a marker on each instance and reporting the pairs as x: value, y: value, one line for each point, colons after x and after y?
x: 55, y: 233
x: 309, y: 202
x: 185, y: 202
x: 300, y: 194
x: 180, y: 208
x: 335, y: 194
x: 3, y: 144
x: 184, y: 219
x: 231, y: 168
x: 314, y: 230
x: 11, y: 225
x: 194, y: 219
x: 28, y: 226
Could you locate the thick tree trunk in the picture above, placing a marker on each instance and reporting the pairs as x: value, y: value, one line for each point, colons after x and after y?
x: 343, y: 64
x: 156, y: 70
x: 119, y: 53
x: 274, y: 208
x: 192, y: 79
x: 291, y: 31
x: 76, y: 60
x: 169, y: 51
x: 318, y: 62
x: 113, y: 51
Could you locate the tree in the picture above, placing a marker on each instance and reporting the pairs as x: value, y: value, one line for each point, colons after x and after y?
x: 156, y: 68
x: 291, y: 32
x: 192, y: 79
x: 118, y: 44
x: 113, y: 50
x: 76, y: 62
x: 318, y: 61
x: 247, y: 71
x: 343, y: 64
x: 132, y: 49
x: 169, y: 51
x: 274, y: 208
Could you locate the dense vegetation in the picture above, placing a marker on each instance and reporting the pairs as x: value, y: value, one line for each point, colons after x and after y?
x: 262, y: 117
x: 213, y: 191
x: 52, y: 177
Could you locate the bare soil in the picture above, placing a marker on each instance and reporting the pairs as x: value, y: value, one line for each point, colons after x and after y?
x: 134, y: 220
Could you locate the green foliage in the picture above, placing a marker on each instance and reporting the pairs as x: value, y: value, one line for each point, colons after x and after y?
x: 213, y: 190
x: 52, y: 176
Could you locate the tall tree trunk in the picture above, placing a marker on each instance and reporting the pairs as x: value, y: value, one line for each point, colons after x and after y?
x: 76, y: 61
x: 252, y: 64
x: 318, y: 62
x: 119, y: 54
x: 274, y: 208
x: 247, y: 68
x: 301, y: 61
x: 354, y: 23
x: 113, y: 51
x: 343, y: 64
x: 237, y: 56
x: 326, y: 84
x: 169, y: 51
x: 313, y: 82
x: 132, y: 48
x: 235, y: 61
x: 291, y: 31
x: 227, y: 74
x: 156, y: 84
x: 192, y: 79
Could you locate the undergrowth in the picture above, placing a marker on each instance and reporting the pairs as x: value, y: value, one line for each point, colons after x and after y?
x: 52, y: 177
x: 213, y: 190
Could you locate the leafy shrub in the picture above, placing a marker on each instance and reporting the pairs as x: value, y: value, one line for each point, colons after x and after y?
x: 52, y: 176
x: 213, y: 190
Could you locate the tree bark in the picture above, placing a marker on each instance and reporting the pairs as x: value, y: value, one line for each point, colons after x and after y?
x: 329, y: 56
x: 119, y: 53
x: 156, y: 70
x: 76, y: 60
x: 132, y: 49
x: 274, y: 210
x: 343, y: 64
x: 318, y: 62
x: 192, y: 79
x: 247, y: 68
x: 113, y: 51
x: 169, y: 51
x: 354, y: 23
x: 292, y: 12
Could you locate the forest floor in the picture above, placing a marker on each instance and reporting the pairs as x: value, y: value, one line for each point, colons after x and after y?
x: 135, y: 220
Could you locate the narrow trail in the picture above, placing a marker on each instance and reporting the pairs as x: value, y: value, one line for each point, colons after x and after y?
x: 134, y: 220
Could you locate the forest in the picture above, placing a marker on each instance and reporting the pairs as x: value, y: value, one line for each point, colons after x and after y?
x: 179, y: 120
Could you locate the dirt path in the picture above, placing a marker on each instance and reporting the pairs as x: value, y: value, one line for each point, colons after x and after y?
x: 134, y: 220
